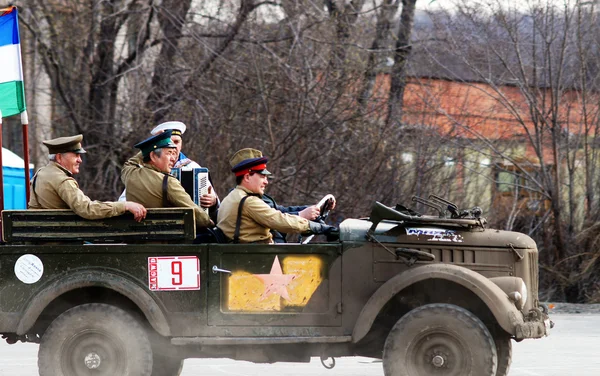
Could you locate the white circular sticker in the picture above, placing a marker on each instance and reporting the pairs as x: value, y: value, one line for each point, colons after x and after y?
x: 29, y: 269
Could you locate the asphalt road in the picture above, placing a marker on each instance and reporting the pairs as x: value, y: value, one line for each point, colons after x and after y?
x: 571, y: 349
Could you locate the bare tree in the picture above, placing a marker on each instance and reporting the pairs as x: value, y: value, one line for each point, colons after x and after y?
x: 383, y: 28
x: 401, y: 54
x: 535, y: 65
x: 85, y: 70
x: 285, y: 77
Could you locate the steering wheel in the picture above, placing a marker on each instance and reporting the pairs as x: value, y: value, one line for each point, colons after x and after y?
x: 325, y: 206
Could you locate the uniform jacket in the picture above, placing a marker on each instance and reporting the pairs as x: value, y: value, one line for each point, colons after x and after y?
x: 53, y: 187
x: 143, y: 184
x: 185, y: 164
x: 257, y: 218
x: 279, y: 237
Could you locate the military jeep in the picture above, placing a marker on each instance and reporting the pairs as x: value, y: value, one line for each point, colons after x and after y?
x: 428, y: 294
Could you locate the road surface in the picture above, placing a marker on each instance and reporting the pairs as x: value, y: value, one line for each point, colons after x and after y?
x: 571, y: 349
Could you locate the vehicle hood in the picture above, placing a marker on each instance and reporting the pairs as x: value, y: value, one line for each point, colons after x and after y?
x: 419, y: 234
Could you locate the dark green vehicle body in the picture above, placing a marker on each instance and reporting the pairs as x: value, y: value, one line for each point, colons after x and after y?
x: 339, y: 298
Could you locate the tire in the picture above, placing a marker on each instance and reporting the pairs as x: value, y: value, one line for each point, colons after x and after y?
x: 504, y: 350
x: 97, y: 339
x: 163, y: 365
x: 167, y: 360
x: 439, y: 339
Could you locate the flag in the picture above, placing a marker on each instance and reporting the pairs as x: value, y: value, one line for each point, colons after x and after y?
x: 12, y: 93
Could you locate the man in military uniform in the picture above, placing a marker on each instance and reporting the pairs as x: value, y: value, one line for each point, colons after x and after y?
x: 244, y: 217
x: 147, y: 180
x: 53, y: 186
x: 177, y: 128
x: 304, y: 211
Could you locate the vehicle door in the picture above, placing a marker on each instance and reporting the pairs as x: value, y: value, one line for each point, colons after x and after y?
x: 283, y: 285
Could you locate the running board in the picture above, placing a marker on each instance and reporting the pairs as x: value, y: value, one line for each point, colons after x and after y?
x: 182, y: 341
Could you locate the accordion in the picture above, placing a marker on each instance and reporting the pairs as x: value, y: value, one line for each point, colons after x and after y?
x: 194, y: 181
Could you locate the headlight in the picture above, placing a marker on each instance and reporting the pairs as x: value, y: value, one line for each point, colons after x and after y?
x: 515, y: 288
x: 523, y: 294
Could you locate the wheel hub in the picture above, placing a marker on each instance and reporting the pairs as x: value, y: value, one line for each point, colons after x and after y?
x: 92, y: 360
x: 438, y: 361
x: 439, y: 357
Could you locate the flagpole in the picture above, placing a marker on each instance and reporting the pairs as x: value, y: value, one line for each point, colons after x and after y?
x: 25, y: 124
x: 1, y: 168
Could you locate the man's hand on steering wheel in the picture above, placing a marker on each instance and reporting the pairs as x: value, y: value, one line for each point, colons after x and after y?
x: 311, y: 213
x: 317, y: 223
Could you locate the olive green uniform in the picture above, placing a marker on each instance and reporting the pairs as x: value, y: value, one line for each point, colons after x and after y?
x: 258, y: 218
x: 144, y: 185
x: 53, y: 187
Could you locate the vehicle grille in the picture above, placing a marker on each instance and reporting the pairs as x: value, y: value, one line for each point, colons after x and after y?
x: 453, y: 255
x: 489, y: 262
x: 533, y: 269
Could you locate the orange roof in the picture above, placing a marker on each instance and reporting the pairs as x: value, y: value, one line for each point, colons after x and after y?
x: 478, y: 110
x: 475, y: 110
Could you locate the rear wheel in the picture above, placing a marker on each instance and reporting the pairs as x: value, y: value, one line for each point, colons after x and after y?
x: 163, y: 365
x: 97, y: 339
x: 439, y: 339
x: 167, y: 360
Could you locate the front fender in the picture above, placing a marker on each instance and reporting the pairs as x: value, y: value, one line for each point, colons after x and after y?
x: 95, y: 278
x: 505, y: 312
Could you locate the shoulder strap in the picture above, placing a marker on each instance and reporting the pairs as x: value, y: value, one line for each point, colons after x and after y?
x: 238, y: 221
x: 165, y: 191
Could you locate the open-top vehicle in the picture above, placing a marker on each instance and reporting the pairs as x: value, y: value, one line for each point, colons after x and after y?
x: 430, y: 295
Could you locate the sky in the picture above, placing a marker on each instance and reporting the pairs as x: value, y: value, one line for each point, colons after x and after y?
x: 206, y: 10
x: 518, y: 4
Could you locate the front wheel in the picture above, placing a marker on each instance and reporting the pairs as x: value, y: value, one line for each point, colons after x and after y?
x: 96, y: 339
x: 504, y: 350
x: 441, y: 340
